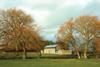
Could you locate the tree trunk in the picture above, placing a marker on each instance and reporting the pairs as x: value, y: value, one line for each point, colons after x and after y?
x: 78, y: 54
x: 24, y: 56
x: 40, y: 54
x: 17, y: 51
x: 85, y: 51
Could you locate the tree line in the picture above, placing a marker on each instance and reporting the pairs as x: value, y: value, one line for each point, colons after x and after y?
x: 19, y: 32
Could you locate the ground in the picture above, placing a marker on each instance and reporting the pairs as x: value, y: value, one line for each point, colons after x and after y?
x: 50, y: 63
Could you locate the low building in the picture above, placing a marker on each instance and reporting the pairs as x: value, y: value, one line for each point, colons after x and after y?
x: 54, y: 49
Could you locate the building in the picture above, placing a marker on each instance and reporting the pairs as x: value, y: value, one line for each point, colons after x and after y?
x: 54, y: 49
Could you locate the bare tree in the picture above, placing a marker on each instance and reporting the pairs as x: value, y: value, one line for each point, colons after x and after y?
x: 86, y: 26
x: 65, y: 36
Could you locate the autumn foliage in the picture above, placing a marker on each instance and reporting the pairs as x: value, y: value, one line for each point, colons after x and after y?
x: 21, y: 33
x: 86, y: 27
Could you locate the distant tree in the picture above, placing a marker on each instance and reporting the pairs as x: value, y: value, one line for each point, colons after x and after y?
x: 50, y: 42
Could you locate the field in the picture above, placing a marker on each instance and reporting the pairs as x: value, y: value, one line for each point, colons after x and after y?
x: 50, y: 63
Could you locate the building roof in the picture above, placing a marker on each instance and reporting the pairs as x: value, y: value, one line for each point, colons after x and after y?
x: 51, y: 46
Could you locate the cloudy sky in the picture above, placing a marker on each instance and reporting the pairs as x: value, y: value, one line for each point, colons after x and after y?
x: 50, y: 14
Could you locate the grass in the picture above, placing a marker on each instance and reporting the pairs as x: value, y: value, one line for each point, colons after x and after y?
x: 50, y: 63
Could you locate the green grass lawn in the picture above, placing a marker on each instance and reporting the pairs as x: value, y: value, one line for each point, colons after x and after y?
x: 50, y: 63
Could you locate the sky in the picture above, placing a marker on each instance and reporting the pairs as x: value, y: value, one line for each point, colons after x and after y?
x: 50, y: 14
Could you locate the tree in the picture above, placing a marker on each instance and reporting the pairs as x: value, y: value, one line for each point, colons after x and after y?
x: 2, y: 25
x: 86, y: 26
x: 21, y: 32
x: 97, y: 40
x: 65, y: 36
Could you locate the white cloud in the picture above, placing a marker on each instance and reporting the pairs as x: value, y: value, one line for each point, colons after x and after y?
x: 41, y: 2
x: 40, y: 16
x: 35, y: 2
x: 68, y: 3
